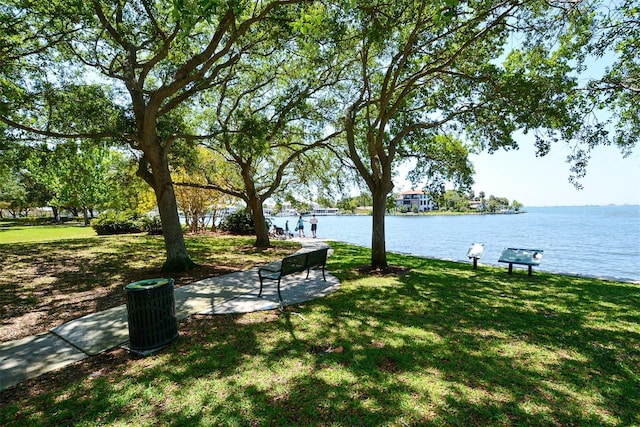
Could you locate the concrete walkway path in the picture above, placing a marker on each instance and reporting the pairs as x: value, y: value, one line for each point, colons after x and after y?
x: 92, y: 334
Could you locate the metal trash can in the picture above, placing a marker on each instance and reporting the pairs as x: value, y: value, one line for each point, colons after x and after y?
x: 151, y: 312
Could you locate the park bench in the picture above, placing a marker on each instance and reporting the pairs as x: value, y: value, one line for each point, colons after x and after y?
x: 296, y: 263
x: 475, y: 252
x: 528, y: 257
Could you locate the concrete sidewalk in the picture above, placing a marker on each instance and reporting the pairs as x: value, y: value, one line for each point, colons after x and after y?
x: 92, y: 334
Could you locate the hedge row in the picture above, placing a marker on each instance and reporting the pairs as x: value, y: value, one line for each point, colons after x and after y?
x: 111, y: 222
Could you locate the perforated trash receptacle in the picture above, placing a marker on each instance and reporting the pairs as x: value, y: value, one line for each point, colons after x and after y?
x: 151, y: 313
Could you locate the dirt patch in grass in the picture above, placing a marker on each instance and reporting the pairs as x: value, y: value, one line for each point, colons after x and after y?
x: 44, y: 285
x: 392, y: 270
x: 33, y: 311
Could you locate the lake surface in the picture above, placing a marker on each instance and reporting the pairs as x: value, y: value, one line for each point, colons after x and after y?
x: 601, y: 241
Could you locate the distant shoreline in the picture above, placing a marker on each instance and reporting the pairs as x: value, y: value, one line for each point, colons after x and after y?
x: 428, y: 213
x: 447, y: 213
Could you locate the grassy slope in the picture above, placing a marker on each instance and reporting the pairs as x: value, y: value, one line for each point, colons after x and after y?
x: 442, y: 345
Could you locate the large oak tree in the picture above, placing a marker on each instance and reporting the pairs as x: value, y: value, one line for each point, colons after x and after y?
x: 430, y: 75
x: 267, y: 122
x: 429, y: 80
x: 154, y: 58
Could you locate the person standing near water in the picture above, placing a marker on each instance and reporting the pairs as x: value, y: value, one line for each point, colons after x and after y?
x: 300, y: 226
x: 314, y: 225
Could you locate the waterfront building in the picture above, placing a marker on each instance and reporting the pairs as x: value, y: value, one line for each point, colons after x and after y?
x: 417, y: 198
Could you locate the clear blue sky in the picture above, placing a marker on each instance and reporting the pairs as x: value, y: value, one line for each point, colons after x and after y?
x: 544, y: 181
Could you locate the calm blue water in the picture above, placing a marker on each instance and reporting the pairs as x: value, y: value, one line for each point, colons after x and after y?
x: 599, y: 241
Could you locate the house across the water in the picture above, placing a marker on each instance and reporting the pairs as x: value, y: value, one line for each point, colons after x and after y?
x: 417, y: 198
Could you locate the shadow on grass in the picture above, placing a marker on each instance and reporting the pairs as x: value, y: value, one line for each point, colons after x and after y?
x: 442, y: 345
x: 58, y: 281
x: 45, y: 284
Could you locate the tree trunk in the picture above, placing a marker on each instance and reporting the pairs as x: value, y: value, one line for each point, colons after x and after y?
x: 85, y: 214
x: 214, y: 218
x: 56, y: 214
x: 254, y: 202
x: 177, y: 256
x: 378, y: 244
x: 260, y: 224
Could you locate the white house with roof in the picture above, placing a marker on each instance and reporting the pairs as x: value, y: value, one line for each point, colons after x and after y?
x: 417, y: 198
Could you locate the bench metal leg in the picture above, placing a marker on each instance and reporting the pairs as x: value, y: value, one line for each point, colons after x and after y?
x: 510, y: 268
x: 279, y: 295
x: 530, y: 270
x: 323, y: 276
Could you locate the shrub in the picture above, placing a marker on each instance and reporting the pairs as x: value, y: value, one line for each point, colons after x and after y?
x: 240, y: 222
x: 151, y: 224
x: 111, y: 222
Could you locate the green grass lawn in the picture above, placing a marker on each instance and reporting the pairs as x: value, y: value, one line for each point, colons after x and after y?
x: 442, y: 345
x: 41, y: 233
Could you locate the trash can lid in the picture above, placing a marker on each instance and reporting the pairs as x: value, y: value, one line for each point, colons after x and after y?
x: 147, y: 284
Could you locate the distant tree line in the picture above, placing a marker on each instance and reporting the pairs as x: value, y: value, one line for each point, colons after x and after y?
x: 458, y: 201
x: 72, y: 178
